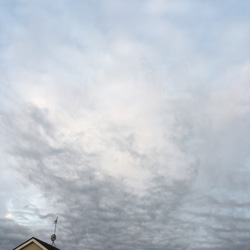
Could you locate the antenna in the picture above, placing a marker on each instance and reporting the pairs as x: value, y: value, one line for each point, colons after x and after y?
x: 53, y: 236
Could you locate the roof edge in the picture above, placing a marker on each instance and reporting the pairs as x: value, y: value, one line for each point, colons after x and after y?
x: 29, y: 241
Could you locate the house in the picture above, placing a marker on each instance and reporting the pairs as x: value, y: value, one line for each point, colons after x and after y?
x: 35, y: 244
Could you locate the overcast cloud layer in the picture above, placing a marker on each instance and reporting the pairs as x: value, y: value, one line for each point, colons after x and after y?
x: 127, y: 119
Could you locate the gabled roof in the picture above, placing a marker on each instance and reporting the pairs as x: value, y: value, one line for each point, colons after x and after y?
x: 43, y: 245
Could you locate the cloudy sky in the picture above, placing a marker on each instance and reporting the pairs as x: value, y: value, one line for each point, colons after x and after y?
x: 127, y: 119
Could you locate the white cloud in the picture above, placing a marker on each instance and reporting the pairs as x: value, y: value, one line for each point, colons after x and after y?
x: 127, y: 124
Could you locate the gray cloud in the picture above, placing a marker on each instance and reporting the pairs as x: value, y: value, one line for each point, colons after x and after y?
x: 134, y: 131
x: 97, y: 210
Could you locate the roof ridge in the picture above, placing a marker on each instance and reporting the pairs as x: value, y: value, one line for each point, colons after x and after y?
x: 48, y: 246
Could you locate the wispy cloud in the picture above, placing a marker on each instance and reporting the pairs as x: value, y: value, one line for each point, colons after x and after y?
x: 127, y: 120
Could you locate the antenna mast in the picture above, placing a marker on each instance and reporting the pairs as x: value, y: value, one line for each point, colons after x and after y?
x: 53, y: 236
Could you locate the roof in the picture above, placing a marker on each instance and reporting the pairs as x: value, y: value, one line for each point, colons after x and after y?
x: 38, y: 242
x: 48, y: 246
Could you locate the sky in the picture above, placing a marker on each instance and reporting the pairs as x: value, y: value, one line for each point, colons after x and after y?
x: 129, y: 120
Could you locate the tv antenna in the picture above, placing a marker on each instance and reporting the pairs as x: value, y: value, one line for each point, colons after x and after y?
x: 53, y: 236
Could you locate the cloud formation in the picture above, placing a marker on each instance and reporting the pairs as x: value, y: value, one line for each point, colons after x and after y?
x: 127, y: 120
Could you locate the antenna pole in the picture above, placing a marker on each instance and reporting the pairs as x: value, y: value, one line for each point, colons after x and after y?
x: 53, y: 236
x: 55, y: 224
